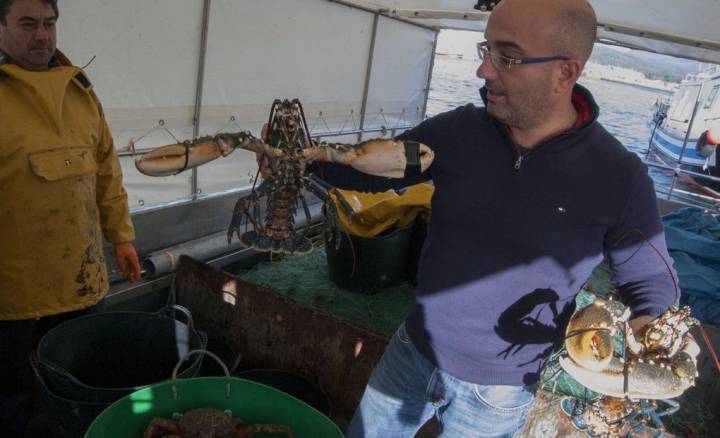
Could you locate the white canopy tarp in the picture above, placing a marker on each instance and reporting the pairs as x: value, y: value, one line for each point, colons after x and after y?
x: 168, y: 70
x: 686, y: 28
x: 147, y: 58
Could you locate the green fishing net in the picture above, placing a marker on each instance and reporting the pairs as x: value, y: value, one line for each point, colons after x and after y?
x: 305, y: 279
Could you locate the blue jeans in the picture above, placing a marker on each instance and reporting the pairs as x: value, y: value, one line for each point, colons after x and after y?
x: 406, y: 389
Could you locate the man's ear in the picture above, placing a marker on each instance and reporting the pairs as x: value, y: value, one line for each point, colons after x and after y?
x: 570, y: 72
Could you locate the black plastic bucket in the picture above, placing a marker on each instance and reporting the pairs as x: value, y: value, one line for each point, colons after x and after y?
x: 368, y: 264
x: 417, y: 240
x: 102, y: 357
x: 290, y: 383
x: 66, y: 418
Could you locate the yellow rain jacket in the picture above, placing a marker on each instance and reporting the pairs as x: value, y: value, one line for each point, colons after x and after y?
x: 60, y: 191
x: 378, y: 212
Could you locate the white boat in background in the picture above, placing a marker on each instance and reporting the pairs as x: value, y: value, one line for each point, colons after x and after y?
x: 627, y: 76
x: 449, y: 55
x: 686, y: 132
x: 689, y: 114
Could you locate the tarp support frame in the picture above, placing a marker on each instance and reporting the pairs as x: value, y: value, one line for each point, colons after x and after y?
x: 384, y: 12
x: 200, y: 83
x: 368, y: 73
x: 429, y: 76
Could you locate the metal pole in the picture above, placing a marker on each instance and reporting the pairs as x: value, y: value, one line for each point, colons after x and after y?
x: 662, y: 36
x: 384, y: 12
x: 199, y: 88
x: 672, y: 185
x: 368, y: 71
x: 690, y: 125
x: 429, y: 76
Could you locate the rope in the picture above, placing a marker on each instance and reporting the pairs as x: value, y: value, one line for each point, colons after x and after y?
x: 319, y: 118
x: 231, y: 121
x: 160, y: 125
x: 379, y: 114
x: 710, y: 347
x: 350, y: 116
x: 667, y: 265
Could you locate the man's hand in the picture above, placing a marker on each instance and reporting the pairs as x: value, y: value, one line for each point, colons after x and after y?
x: 637, y: 324
x: 127, y: 260
x: 262, y: 159
x: 263, y: 164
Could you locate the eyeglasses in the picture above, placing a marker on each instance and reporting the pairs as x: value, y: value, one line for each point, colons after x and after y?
x: 504, y: 63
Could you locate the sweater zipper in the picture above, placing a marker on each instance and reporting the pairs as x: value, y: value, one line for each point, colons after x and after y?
x: 518, y: 162
x: 524, y: 157
x: 521, y: 158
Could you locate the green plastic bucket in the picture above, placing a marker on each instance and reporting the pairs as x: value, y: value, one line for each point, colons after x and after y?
x: 252, y: 402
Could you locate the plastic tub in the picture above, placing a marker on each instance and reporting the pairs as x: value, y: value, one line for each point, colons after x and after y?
x: 368, y: 264
x: 253, y: 402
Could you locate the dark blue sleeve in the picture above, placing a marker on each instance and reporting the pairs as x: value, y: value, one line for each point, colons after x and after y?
x: 636, y: 248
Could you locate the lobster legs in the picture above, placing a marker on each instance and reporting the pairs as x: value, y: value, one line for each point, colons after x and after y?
x: 278, y: 234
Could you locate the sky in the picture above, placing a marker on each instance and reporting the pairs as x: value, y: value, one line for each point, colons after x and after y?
x: 459, y: 41
x: 463, y: 41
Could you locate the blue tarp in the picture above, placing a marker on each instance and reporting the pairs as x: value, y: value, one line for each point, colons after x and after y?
x: 693, y: 239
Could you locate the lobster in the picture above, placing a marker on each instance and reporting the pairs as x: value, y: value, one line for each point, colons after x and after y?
x: 661, y: 364
x: 289, y: 150
x: 210, y: 423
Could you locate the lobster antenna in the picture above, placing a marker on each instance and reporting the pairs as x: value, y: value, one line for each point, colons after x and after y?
x: 302, y: 116
x: 273, y: 112
x: 667, y: 265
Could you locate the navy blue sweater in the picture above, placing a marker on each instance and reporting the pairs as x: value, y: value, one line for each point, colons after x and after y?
x: 512, y: 241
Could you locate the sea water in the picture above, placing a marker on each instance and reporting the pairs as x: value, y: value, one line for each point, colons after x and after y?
x: 625, y: 110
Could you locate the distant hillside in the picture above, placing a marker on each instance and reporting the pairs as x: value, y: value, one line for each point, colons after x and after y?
x: 652, y: 65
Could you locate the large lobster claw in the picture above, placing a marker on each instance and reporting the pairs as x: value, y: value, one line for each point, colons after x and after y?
x: 388, y: 158
x: 175, y: 158
x: 662, y: 367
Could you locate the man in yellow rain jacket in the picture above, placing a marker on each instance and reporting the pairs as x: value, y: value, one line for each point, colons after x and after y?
x: 60, y: 192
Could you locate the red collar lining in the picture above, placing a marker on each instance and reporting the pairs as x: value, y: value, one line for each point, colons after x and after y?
x: 583, y: 109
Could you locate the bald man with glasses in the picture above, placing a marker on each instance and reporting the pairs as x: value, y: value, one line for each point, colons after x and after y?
x: 531, y: 194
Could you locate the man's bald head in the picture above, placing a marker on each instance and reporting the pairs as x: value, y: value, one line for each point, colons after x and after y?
x: 568, y: 27
x: 577, y: 29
